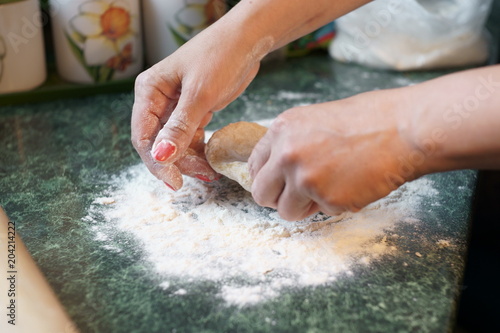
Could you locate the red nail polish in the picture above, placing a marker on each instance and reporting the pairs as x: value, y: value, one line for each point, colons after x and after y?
x: 164, y: 150
x: 169, y: 186
x: 204, y: 178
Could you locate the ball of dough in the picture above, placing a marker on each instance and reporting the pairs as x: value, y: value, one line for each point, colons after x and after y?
x: 229, y: 148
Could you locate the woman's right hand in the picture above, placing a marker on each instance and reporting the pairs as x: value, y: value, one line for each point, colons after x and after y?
x: 175, y: 100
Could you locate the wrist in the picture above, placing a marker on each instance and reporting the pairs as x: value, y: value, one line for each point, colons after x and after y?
x: 410, y: 150
x: 424, y: 131
x: 246, y: 32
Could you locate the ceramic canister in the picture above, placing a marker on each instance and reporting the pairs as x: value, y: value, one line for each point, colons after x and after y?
x: 169, y: 24
x: 22, y: 53
x: 97, y: 40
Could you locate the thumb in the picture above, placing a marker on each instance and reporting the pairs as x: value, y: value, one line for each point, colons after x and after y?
x: 177, y: 133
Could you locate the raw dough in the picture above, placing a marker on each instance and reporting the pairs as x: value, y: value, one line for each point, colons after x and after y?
x: 230, y: 147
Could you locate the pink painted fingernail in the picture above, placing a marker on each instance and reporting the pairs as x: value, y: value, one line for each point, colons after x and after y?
x: 204, y: 178
x: 163, y: 150
x: 169, y: 186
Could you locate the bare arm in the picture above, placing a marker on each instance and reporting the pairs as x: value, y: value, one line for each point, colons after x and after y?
x: 282, y: 21
x: 455, y: 121
x: 345, y: 154
x: 175, y: 99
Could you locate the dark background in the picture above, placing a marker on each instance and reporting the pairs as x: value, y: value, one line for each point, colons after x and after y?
x: 479, y: 309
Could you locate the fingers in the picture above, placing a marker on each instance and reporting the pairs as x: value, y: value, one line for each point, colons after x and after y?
x: 179, y: 144
x: 332, y: 210
x: 270, y: 186
x: 267, y: 186
x: 278, y: 182
x: 168, y: 173
x: 192, y: 112
x: 293, y: 202
x: 194, y: 164
x: 149, y: 105
x: 260, y: 154
x: 293, y: 205
x: 149, y: 108
x: 198, y: 142
x: 154, y: 103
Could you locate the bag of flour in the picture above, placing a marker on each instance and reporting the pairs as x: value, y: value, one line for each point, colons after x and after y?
x: 414, y: 34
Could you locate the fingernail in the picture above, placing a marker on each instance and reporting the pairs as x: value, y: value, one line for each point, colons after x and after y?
x: 163, y: 150
x: 169, y: 186
x: 204, y: 178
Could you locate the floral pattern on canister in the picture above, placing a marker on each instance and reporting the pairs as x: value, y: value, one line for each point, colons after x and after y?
x: 195, y: 16
x: 104, y: 37
x: 3, y: 52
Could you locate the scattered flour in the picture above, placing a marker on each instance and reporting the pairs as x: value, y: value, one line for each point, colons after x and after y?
x: 104, y: 201
x: 237, y: 171
x: 216, y: 232
x: 292, y: 95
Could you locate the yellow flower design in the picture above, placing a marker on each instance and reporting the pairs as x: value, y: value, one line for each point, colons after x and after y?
x: 195, y: 16
x: 105, y: 31
x: 3, y: 51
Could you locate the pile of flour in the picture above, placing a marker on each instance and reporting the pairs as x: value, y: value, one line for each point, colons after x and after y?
x: 216, y: 232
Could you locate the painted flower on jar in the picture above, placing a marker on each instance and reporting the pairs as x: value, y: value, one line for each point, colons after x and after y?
x: 106, y: 32
x: 3, y: 52
x: 195, y: 16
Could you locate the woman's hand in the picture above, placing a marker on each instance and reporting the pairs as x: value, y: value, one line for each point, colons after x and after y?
x: 346, y: 154
x: 175, y: 99
x: 330, y: 157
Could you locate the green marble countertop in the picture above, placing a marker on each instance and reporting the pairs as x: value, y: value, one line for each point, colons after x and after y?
x: 56, y: 157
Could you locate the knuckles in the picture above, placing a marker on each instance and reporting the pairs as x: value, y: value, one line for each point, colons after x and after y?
x: 261, y: 198
x: 309, y: 180
x: 140, y: 145
x: 286, y: 120
x: 289, y: 217
x: 179, y: 127
x: 338, y: 201
x: 142, y: 80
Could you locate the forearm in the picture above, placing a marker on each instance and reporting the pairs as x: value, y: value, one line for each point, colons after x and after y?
x: 274, y: 23
x: 453, y: 122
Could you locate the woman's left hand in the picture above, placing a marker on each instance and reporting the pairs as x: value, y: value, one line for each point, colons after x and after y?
x: 329, y: 157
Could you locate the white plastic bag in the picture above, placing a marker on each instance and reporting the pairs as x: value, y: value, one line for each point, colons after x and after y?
x: 414, y: 34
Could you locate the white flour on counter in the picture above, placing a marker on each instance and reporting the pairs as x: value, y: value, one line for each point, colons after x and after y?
x: 216, y: 232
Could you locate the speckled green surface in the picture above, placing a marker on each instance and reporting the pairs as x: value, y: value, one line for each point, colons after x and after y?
x: 56, y: 157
